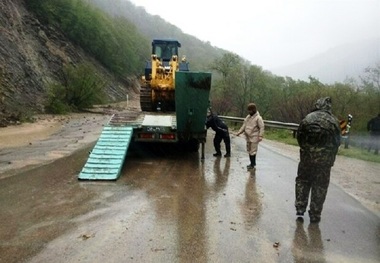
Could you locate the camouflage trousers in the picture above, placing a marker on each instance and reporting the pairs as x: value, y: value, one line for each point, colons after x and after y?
x: 312, y: 179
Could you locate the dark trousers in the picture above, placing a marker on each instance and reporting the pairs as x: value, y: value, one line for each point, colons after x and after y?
x: 374, y: 142
x: 219, y: 137
x: 313, y: 180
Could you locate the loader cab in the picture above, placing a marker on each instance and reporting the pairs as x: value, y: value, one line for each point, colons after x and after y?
x: 164, y: 49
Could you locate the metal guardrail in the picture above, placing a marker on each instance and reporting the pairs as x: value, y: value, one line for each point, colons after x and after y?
x: 274, y: 124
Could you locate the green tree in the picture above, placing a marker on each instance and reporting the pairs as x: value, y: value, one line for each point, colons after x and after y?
x: 229, y: 68
x: 370, y: 83
x: 81, y: 89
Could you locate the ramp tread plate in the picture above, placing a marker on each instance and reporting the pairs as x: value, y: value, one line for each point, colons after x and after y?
x: 122, y: 138
x: 115, y: 136
x: 104, y: 160
x: 102, y: 146
x: 105, y: 157
x: 108, y: 152
x: 109, y: 148
x: 116, y: 132
x: 118, y: 127
x: 113, y: 141
x: 99, y: 171
x: 102, y: 165
x: 118, y: 136
x: 84, y: 176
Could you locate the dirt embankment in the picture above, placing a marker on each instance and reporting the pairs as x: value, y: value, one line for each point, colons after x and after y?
x: 33, y: 57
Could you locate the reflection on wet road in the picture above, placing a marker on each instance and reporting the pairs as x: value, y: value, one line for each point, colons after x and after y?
x: 171, y: 207
x: 308, y: 247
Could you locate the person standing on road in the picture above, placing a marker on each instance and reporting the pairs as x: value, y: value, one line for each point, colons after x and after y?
x: 253, y: 128
x: 373, y: 127
x: 318, y: 136
x: 221, y: 133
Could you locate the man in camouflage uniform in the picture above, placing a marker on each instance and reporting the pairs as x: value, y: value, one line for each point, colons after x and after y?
x: 319, y: 138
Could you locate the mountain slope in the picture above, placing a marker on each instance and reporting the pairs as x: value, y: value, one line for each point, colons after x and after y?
x: 337, y: 64
x: 200, y: 54
x: 32, y: 57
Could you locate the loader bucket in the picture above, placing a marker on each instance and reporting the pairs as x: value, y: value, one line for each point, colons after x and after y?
x: 192, y: 90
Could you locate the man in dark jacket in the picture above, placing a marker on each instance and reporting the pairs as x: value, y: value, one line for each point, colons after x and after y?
x: 319, y: 138
x: 373, y: 127
x: 221, y: 133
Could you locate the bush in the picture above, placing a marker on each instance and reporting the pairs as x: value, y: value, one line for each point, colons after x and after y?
x: 81, y: 89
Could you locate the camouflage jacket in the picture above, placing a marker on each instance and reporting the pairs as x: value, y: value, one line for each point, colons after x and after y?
x: 319, y: 138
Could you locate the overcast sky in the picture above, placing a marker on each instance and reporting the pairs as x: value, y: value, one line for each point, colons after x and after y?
x: 272, y: 33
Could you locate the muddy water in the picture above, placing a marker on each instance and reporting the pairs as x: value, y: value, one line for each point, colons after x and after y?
x: 38, y: 205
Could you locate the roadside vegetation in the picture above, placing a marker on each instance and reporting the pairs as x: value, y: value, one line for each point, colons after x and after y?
x: 286, y: 100
x: 81, y: 89
x: 237, y: 82
x: 353, y: 151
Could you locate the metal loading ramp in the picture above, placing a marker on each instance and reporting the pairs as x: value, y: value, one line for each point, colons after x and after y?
x: 107, y: 157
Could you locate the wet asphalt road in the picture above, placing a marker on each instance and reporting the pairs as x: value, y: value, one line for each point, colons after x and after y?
x: 172, y: 207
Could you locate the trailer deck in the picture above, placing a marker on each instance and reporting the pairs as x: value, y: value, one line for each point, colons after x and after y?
x: 108, y: 155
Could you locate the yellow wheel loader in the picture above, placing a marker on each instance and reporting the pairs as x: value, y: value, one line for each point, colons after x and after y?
x: 158, y: 83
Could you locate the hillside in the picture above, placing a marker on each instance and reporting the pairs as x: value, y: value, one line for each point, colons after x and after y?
x: 32, y: 57
x: 200, y: 54
x: 337, y: 64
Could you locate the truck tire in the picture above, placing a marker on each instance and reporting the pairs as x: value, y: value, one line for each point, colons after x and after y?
x: 146, y: 103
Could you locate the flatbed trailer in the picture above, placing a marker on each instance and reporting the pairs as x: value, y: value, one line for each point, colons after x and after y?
x: 186, y: 126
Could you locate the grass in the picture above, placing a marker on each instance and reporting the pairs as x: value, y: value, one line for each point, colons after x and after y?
x: 359, y: 153
x: 286, y: 136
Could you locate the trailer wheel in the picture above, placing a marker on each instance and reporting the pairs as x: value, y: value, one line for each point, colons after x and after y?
x: 193, y: 145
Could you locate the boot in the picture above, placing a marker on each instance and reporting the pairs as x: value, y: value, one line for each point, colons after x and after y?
x: 252, y: 158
